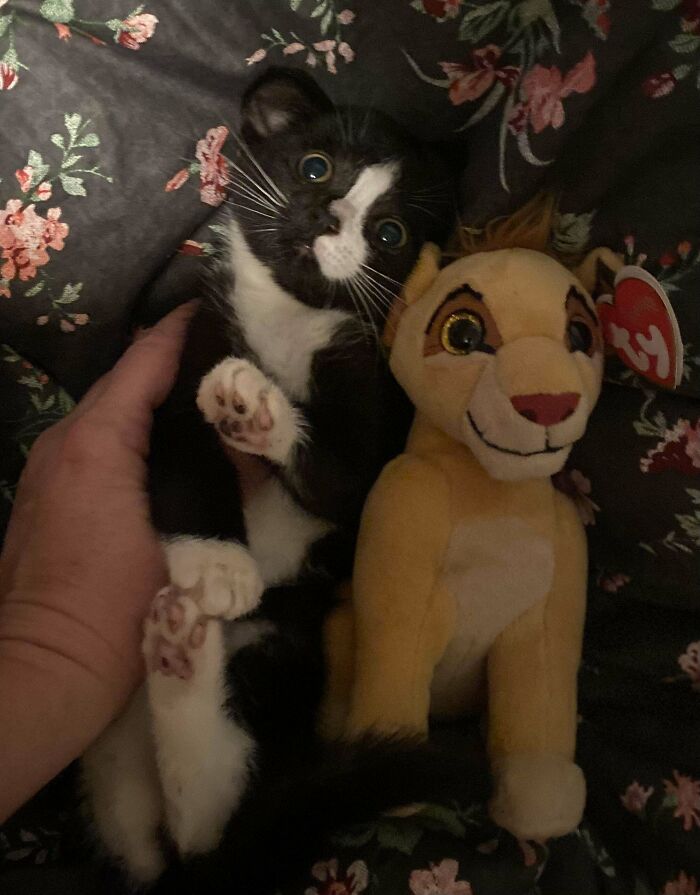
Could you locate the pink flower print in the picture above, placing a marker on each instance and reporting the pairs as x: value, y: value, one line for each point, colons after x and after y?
x: 690, y: 16
x: 177, y: 180
x: 346, y: 17
x: 442, y: 9
x: 684, y: 885
x: 311, y: 60
x: 64, y: 32
x: 575, y: 484
x: 544, y: 89
x: 44, y: 191
x: 441, y: 879
x: 611, y: 584
x: 256, y: 57
x: 469, y: 81
x: 24, y: 177
x: 293, y: 48
x: 330, y: 882
x: 25, y: 238
x: 517, y: 120
x: 636, y: 797
x: 679, y: 449
x: 689, y: 661
x: 8, y: 76
x: 43, y: 320
x: 659, y: 85
x: 346, y: 51
x: 213, y: 173
x: 684, y: 249
x: 324, y: 46
x: 136, y: 30
x: 686, y: 794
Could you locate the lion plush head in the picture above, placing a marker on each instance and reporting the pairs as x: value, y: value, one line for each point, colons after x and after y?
x: 502, y: 350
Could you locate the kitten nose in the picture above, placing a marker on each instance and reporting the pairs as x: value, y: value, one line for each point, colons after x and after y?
x: 327, y: 222
x: 546, y: 410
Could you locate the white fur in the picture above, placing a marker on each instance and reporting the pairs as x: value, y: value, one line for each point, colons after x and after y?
x: 222, y: 574
x: 342, y: 255
x: 283, y: 331
x: 120, y: 782
x: 203, y: 756
x: 280, y: 532
x: 235, y: 383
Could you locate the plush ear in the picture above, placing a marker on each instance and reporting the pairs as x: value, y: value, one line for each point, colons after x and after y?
x: 422, y: 276
x: 597, y: 271
x: 279, y: 100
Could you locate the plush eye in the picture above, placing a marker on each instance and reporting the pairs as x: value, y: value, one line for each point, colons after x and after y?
x: 391, y: 233
x: 462, y: 333
x: 316, y: 167
x: 580, y: 336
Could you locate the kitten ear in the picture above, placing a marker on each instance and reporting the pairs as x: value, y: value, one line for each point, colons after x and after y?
x: 278, y: 100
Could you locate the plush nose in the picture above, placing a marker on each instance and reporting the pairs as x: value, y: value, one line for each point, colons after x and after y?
x: 546, y: 410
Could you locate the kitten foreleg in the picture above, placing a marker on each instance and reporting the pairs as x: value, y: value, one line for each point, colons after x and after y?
x: 250, y: 412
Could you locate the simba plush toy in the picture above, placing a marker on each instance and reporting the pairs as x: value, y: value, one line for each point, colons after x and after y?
x: 470, y: 575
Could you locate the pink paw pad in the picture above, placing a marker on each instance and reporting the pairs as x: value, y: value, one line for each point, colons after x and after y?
x: 174, y: 631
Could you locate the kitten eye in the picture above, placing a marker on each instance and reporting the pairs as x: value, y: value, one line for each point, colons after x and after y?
x: 316, y: 167
x: 392, y: 233
x: 462, y: 333
x: 579, y: 336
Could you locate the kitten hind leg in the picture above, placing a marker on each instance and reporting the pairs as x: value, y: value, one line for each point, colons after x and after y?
x: 122, y: 792
x: 203, y: 755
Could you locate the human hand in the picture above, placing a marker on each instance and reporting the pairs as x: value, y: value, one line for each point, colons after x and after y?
x: 81, y: 561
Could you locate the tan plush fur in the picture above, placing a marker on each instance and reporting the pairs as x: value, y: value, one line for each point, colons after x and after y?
x: 469, y: 582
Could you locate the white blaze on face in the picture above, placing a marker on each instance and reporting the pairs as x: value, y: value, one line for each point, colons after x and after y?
x: 341, y: 256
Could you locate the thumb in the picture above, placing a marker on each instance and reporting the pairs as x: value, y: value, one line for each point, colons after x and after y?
x: 144, y: 375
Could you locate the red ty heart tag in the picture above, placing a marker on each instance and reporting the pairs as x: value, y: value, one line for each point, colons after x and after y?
x: 639, y: 323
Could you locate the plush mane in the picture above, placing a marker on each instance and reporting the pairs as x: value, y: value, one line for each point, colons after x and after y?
x: 530, y: 227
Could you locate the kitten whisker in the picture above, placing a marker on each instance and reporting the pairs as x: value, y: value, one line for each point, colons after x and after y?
x: 237, y: 186
x: 424, y: 210
x: 368, y: 303
x: 385, y: 300
x: 250, y: 196
x: 272, y: 217
x: 266, y: 176
x: 255, y: 184
x: 383, y: 275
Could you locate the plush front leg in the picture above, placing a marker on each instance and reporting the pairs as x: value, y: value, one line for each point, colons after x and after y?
x: 403, y: 616
x: 249, y: 411
x: 532, y: 669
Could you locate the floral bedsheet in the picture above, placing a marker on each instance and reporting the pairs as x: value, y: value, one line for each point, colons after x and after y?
x: 115, y: 147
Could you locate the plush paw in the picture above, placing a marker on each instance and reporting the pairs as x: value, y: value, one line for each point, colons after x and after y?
x: 537, y: 795
x: 248, y: 410
x: 221, y: 577
x: 173, y: 633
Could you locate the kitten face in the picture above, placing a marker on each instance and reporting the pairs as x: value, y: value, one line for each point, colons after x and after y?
x: 338, y: 202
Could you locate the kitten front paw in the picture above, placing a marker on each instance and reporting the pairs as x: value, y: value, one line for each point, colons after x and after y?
x: 249, y: 411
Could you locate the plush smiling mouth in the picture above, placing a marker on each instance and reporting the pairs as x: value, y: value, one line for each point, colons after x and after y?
x: 548, y: 449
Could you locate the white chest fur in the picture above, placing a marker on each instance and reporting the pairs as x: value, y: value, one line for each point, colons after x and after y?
x: 283, y: 332
x: 495, y: 569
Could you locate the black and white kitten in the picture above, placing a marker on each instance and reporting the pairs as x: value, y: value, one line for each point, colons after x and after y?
x: 330, y: 209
